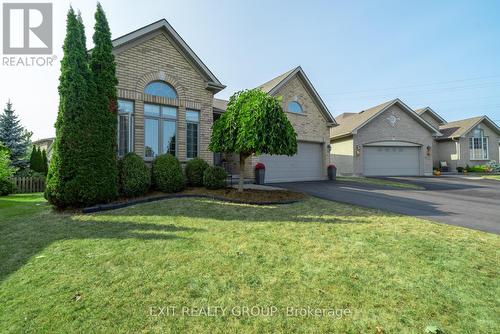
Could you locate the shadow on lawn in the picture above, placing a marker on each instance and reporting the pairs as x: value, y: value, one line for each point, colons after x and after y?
x: 302, y: 212
x: 24, y: 236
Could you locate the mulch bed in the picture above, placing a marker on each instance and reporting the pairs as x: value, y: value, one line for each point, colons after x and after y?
x: 248, y: 196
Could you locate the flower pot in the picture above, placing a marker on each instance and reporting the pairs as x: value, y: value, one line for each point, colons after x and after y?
x: 332, y: 173
x: 260, y: 175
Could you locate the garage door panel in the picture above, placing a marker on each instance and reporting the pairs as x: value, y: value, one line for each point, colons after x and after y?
x: 306, y: 165
x: 391, y: 161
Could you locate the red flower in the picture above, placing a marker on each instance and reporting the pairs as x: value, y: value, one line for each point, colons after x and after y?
x: 332, y: 166
x: 260, y: 165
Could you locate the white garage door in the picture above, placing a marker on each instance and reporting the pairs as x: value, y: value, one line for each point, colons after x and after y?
x: 306, y: 165
x: 391, y: 160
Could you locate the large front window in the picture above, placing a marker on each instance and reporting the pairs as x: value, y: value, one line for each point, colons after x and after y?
x: 160, y: 128
x: 478, y: 145
x: 125, y: 126
x: 192, y: 125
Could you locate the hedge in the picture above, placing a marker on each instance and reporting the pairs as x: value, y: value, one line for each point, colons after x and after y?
x: 167, y: 174
x: 135, y: 176
x: 214, y: 178
x: 194, y: 171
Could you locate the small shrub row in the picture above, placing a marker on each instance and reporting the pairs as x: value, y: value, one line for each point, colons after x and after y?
x: 166, y: 175
x: 478, y: 169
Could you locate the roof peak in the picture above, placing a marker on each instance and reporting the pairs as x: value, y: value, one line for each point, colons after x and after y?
x: 212, y: 82
x: 272, y: 87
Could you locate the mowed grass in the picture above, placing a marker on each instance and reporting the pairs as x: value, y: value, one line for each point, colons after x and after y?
x: 492, y: 177
x: 112, y: 272
x: 380, y: 182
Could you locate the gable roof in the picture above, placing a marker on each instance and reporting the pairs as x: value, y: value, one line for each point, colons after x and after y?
x: 272, y: 87
x: 162, y: 25
x: 462, y: 127
x: 350, y: 124
x: 431, y: 112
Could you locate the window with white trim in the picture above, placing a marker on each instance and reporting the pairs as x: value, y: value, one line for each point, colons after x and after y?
x: 125, y: 126
x: 192, y: 126
x: 160, y: 129
x: 478, y: 145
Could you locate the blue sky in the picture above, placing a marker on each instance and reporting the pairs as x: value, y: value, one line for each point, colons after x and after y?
x: 443, y: 54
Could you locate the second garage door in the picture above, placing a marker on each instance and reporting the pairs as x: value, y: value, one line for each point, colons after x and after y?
x: 391, y: 161
x: 306, y: 165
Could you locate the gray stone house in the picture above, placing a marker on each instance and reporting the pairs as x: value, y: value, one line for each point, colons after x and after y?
x: 391, y: 139
x: 472, y: 141
x: 388, y: 139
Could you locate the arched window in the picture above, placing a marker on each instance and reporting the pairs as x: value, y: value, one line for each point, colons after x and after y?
x: 295, y: 107
x: 160, y: 88
x: 478, y: 145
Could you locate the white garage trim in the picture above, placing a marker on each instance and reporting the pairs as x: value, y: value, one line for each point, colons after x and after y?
x: 392, y: 143
x: 396, y: 160
x: 306, y: 165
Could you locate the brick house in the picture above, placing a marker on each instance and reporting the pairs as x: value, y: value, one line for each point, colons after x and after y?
x: 392, y: 139
x: 166, y: 105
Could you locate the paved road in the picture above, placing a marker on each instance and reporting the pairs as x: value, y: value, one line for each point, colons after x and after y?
x: 452, y: 200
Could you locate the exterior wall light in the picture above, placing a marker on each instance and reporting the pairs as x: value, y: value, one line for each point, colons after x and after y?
x: 429, y: 150
x: 358, y: 150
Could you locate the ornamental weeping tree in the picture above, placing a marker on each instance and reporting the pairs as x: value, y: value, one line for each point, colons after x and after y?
x: 254, y: 123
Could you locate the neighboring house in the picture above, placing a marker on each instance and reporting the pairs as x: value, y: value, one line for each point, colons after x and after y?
x: 165, y: 95
x: 45, y: 144
x: 311, y: 120
x: 472, y: 141
x: 388, y: 139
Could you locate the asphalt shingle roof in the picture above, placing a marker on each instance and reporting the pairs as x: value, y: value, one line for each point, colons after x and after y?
x: 458, y: 128
x: 349, y: 122
x: 268, y: 86
x: 220, y: 105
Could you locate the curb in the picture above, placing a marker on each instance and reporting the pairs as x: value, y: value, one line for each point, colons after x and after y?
x: 113, y: 206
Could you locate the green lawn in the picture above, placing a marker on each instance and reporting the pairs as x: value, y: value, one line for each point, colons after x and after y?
x: 492, y: 177
x: 380, y: 182
x: 398, y: 273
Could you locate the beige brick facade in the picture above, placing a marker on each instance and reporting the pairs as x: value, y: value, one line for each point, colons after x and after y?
x: 311, y: 126
x: 156, y: 57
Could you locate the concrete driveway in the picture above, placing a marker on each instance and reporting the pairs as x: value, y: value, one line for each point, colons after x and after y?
x: 451, y: 200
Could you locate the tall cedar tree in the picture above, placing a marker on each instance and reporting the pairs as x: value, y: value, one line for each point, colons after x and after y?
x: 36, y: 160
x: 13, y: 136
x: 103, y: 71
x: 254, y: 123
x: 33, y: 158
x: 71, y: 180
x: 44, y: 163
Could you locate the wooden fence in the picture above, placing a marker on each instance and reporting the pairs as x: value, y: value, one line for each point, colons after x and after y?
x: 29, y: 184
